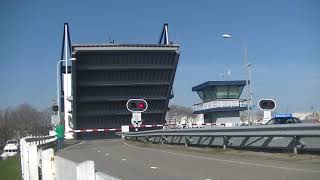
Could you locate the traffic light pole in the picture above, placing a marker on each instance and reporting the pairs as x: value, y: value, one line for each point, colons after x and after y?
x: 136, y: 107
x: 267, y: 106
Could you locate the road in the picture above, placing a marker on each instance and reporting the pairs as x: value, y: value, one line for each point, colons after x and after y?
x: 127, y: 161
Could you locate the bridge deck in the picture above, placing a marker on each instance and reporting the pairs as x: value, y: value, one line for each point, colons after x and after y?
x: 125, y: 160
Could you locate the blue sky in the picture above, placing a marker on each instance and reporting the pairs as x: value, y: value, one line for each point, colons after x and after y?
x: 282, y: 38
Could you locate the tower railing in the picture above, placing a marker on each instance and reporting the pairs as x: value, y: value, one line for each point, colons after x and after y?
x: 226, y: 103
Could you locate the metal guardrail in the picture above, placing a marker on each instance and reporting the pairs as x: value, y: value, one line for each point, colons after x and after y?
x: 291, y: 136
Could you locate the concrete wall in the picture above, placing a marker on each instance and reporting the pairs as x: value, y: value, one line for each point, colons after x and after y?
x: 65, y: 169
x: 41, y: 163
x: 47, y: 164
x: 102, y: 176
x: 69, y: 170
x: 222, y: 117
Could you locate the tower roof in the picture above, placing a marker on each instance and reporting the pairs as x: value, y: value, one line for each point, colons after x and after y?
x: 218, y: 83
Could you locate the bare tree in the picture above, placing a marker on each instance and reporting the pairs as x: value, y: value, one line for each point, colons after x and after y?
x: 6, y: 125
x: 178, y: 113
x: 23, y: 120
x: 259, y: 115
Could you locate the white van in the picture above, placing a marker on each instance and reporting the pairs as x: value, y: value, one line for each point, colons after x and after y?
x: 10, y: 149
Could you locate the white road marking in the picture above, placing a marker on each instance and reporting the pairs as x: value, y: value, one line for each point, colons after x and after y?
x: 123, y: 159
x: 224, y: 160
x: 153, y: 167
x: 106, y: 154
x: 98, y: 151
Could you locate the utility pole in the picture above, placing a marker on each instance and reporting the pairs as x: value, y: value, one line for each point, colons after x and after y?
x: 247, y: 67
x: 250, y: 92
x: 248, y: 82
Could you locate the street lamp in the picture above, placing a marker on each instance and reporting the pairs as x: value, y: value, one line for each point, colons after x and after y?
x: 247, y: 65
x: 58, y: 82
x: 226, y: 36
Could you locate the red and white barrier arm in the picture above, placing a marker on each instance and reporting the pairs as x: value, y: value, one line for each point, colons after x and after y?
x: 113, y: 129
x: 203, y: 124
x: 148, y: 125
x: 94, y: 130
x: 142, y: 126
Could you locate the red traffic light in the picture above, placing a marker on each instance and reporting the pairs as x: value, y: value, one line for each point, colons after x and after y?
x: 141, y: 105
x: 137, y: 105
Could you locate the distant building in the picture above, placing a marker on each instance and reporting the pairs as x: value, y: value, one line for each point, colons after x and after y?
x: 221, y: 102
x: 307, y: 116
x: 301, y: 115
x: 180, y: 119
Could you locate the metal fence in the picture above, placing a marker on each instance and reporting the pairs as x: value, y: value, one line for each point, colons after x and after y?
x: 293, y: 137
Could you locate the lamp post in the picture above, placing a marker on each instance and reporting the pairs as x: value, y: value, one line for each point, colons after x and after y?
x: 247, y: 66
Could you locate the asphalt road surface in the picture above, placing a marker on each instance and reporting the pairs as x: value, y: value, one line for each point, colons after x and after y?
x: 129, y: 161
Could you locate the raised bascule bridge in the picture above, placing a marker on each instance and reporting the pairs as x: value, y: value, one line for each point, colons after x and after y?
x: 103, y: 77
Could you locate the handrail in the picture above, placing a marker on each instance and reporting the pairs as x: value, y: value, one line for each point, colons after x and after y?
x: 241, y: 100
x: 39, y: 138
x: 225, y: 103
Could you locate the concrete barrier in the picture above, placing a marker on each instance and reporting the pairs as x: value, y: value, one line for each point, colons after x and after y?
x: 69, y: 170
x: 31, y: 150
x: 33, y: 162
x: 35, y: 159
x: 24, y: 154
x: 125, y: 129
x: 47, y: 164
x: 102, y: 176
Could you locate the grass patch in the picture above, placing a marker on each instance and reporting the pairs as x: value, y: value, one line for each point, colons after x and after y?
x: 10, y: 168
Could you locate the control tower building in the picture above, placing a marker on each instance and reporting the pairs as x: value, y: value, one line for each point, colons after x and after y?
x: 220, y: 102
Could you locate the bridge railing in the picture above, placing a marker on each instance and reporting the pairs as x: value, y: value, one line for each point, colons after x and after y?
x: 293, y: 137
x: 36, y: 157
x: 38, y: 161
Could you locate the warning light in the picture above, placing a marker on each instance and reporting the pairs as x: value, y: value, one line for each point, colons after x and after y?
x: 133, y: 105
x: 137, y: 105
x: 141, y: 105
x: 267, y: 104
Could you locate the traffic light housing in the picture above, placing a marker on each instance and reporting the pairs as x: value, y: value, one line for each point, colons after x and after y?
x: 267, y: 104
x: 137, y: 105
x: 55, y: 108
